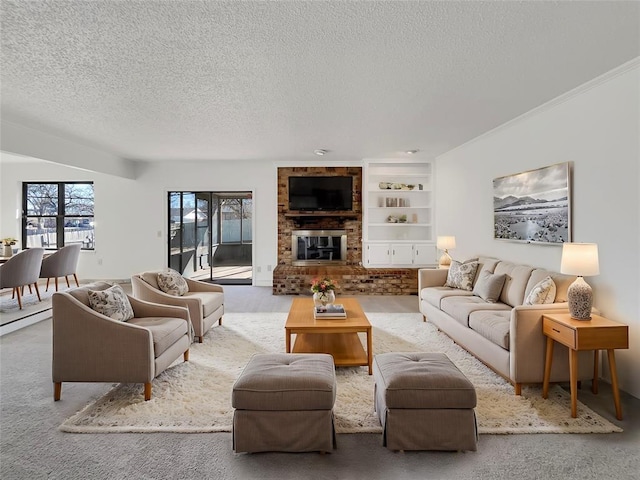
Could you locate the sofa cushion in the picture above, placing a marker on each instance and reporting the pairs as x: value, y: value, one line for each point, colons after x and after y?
x: 112, y: 302
x: 562, y: 282
x: 515, y: 282
x: 492, y: 325
x: 165, y: 331
x: 211, y: 301
x: 489, y: 286
x: 459, y: 308
x: 172, y: 282
x: 542, y: 293
x: 462, y: 275
x: 433, y: 295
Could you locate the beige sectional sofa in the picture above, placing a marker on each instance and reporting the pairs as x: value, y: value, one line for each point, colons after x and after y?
x: 505, y: 335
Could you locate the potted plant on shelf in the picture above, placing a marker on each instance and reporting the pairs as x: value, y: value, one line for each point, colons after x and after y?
x: 323, y: 291
x: 7, y: 243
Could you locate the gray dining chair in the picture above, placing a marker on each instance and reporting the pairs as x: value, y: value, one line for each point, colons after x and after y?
x: 62, y: 263
x: 23, y: 269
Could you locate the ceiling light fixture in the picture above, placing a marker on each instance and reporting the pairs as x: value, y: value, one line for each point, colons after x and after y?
x: 411, y: 152
x: 321, y: 151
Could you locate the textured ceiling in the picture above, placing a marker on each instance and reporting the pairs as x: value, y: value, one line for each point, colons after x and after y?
x: 172, y: 80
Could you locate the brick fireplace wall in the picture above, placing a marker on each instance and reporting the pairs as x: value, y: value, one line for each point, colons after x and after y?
x: 352, y: 278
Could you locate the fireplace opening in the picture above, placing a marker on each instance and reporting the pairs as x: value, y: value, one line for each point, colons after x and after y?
x: 318, y: 247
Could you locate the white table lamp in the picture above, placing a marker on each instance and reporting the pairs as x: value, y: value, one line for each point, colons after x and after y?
x: 445, y: 243
x: 580, y: 259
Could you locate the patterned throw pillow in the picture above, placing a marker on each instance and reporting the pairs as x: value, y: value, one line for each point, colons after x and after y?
x: 172, y: 282
x: 543, y: 292
x: 112, y: 302
x: 461, y: 275
x: 489, y: 286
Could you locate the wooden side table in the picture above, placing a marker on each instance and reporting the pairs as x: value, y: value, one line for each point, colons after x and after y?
x: 596, y: 334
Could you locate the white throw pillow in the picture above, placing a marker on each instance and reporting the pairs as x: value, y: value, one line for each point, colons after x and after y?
x: 172, y: 282
x: 461, y: 275
x: 542, y: 292
x: 112, y: 302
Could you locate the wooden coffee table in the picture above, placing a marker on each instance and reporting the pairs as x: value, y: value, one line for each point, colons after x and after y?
x: 337, y: 337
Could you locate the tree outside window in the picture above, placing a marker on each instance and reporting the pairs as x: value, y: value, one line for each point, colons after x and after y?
x: 55, y: 214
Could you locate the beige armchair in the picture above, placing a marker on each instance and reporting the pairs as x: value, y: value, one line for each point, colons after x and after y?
x: 22, y: 270
x: 91, y: 347
x: 62, y: 263
x: 205, y: 301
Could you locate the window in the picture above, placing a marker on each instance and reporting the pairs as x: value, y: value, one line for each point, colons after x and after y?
x: 55, y: 214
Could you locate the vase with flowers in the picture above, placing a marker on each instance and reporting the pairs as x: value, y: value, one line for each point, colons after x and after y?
x: 323, y: 291
x: 7, y: 244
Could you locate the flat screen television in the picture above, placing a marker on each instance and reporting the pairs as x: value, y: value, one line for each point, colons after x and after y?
x: 320, y: 193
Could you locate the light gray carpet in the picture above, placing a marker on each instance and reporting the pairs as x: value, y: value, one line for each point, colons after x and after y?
x: 32, y: 447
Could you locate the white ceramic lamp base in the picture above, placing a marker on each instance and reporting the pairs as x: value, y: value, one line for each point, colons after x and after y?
x: 580, y: 297
x: 445, y: 260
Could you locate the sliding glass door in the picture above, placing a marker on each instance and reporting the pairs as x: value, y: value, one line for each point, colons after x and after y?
x: 211, y: 236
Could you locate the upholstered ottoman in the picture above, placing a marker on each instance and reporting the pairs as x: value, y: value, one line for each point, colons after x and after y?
x: 284, y: 402
x: 424, y: 402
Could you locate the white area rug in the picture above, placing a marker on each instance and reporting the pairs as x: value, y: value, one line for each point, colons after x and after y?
x: 196, y: 396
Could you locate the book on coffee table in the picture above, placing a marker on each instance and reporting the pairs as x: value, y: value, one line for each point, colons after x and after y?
x: 335, y: 310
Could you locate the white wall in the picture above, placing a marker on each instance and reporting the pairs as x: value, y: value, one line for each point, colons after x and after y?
x: 131, y: 215
x: 596, y: 128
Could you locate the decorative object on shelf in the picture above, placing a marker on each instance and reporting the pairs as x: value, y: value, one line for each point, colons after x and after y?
x: 395, y: 186
x: 323, y: 291
x: 580, y: 259
x: 7, y: 244
x: 445, y: 243
x: 533, y: 206
x: 392, y: 202
x: 397, y: 219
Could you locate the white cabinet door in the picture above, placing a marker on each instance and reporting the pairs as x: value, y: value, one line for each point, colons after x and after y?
x: 424, y: 254
x: 402, y: 254
x: 378, y: 254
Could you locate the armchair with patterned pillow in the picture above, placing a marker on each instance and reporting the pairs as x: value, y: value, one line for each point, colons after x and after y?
x: 101, y: 334
x: 205, y: 301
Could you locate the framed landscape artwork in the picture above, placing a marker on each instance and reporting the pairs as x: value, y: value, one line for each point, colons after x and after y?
x: 533, y: 206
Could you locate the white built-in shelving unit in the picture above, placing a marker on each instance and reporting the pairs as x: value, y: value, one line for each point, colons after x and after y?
x: 398, y: 230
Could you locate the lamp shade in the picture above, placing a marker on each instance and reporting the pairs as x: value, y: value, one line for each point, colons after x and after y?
x: 580, y: 259
x: 445, y: 243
